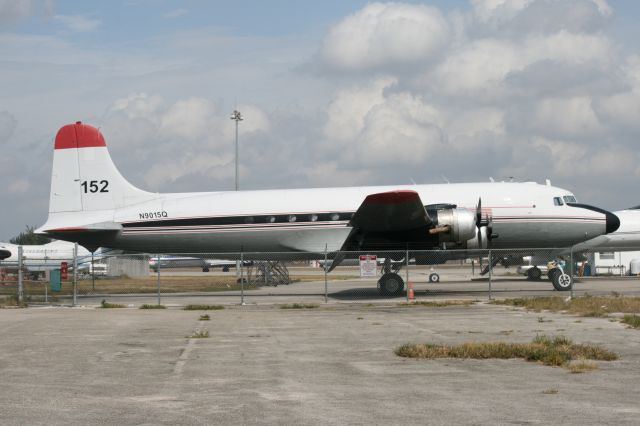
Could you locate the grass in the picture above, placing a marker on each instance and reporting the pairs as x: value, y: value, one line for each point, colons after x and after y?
x: 586, y: 306
x: 200, y: 334
x: 632, y: 321
x: 106, y: 305
x: 145, y: 285
x: 299, y: 306
x: 148, y: 306
x: 551, y: 391
x: 203, y: 307
x: 554, y: 351
x: 440, y: 304
x: 582, y: 366
x: 205, y: 317
x: 12, y: 301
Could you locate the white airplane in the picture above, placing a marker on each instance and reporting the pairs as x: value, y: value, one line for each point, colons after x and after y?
x: 41, y: 257
x: 93, y: 204
x: 190, y: 262
x: 625, y: 238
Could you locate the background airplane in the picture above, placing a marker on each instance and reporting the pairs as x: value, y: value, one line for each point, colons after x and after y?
x: 190, y: 262
x: 91, y: 203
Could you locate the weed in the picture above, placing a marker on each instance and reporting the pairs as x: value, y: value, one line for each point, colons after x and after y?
x: 360, y: 318
x: 632, y: 321
x: 555, y: 351
x: 586, y: 306
x: 203, y: 307
x: 205, y: 317
x: 148, y: 306
x: 12, y: 301
x: 106, y: 305
x: 439, y: 304
x: 581, y: 366
x: 200, y: 334
x: 551, y: 391
x: 299, y: 306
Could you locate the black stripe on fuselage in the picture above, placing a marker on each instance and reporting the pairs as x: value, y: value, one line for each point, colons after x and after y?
x: 244, y: 220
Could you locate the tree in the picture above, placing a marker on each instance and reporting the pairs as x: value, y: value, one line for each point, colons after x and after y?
x: 28, y: 237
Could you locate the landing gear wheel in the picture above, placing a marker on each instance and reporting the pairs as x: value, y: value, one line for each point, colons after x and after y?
x: 562, y: 281
x: 434, y: 278
x: 552, y: 274
x: 390, y: 284
x: 225, y: 269
x: 534, y: 274
x: 205, y: 269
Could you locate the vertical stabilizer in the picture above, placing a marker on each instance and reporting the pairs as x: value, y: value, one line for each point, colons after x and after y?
x: 84, y: 177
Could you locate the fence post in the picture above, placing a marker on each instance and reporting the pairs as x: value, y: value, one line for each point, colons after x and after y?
x: 325, y: 267
x: 407, y: 274
x: 75, y: 274
x: 158, y: 275
x: 93, y: 273
x: 490, y: 273
x: 571, y: 271
x: 241, y: 278
x: 20, y: 277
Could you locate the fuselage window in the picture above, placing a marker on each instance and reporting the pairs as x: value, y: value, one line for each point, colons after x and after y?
x: 570, y: 199
x: 271, y: 219
x: 313, y: 217
x: 557, y: 201
x: 248, y: 219
x: 335, y: 216
x: 292, y: 218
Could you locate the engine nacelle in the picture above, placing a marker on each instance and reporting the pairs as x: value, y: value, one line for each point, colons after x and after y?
x: 480, y: 240
x: 461, y: 224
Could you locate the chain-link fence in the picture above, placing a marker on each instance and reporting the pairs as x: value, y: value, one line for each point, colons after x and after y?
x: 317, y: 277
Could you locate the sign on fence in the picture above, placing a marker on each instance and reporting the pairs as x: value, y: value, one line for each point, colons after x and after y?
x: 368, y: 266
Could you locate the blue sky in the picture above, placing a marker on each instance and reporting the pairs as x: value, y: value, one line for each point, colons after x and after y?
x: 335, y: 93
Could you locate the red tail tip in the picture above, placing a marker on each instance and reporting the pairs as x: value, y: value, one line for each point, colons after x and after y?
x: 79, y: 136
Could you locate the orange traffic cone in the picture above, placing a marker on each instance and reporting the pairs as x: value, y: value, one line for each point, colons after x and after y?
x: 412, y: 296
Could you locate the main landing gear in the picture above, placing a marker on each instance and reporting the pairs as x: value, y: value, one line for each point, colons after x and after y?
x: 391, y: 284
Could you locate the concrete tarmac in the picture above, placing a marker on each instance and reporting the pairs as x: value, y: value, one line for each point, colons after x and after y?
x: 330, y: 365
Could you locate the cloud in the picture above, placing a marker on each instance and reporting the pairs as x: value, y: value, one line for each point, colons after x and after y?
x: 176, y: 13
x: 12, y: 11
x: 7, y: 126
x: 514, y: 17
x: 77, y: 23
x: 384, y: 35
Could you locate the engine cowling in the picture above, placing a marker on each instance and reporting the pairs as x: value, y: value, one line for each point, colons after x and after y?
x: 480, y: 240
x: 453, y: 225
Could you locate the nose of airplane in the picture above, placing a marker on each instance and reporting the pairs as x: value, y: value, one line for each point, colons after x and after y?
x: 612, y: 221
x: 4, y: 254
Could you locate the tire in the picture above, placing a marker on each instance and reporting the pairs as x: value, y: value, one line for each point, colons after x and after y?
x: 225, y: 269
x: 552, y: 273
x: 390, y: 284
x: 562, y: 281
x: 534, y: 274
x: 205, y: 269
x: 434, y: 278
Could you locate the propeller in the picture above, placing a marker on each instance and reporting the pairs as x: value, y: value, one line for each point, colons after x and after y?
x: 484, y: 222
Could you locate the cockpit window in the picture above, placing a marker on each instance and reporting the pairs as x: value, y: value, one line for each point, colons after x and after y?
x: 557, y: 201
x: 570, y: 199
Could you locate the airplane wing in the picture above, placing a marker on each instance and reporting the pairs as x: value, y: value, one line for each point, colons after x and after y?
x: 391, y: 212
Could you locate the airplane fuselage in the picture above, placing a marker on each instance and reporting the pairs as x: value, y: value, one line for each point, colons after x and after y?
x: 309, y: 220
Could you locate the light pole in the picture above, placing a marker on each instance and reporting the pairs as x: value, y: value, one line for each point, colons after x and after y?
x: 235, y: 115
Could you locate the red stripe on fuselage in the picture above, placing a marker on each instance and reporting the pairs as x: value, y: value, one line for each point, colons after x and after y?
x: 79, y: 136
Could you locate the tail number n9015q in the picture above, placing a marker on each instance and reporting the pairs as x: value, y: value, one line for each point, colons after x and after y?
x: 94, y: 186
